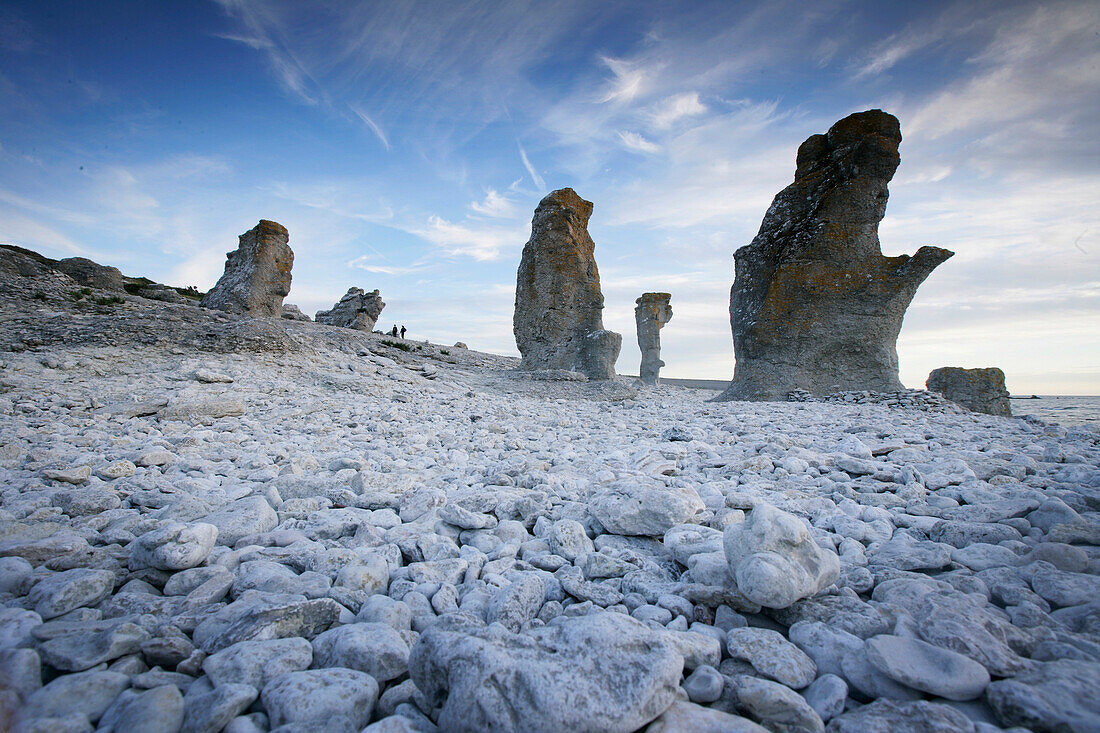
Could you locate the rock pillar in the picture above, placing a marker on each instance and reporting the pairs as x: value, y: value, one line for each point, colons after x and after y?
x: 651, y: 313
x: 257, y: 274
x: 815, y: 305
x: 558, y: 321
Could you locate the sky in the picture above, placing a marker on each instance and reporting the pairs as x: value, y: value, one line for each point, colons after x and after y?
x: 405, y: 145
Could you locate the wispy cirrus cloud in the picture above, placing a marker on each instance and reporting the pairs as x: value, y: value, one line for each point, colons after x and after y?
x: 468, y: 239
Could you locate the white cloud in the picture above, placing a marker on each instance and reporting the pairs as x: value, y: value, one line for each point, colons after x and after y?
x: 535, y: 177
x: 495, y: 205
x: 479, y: 243
x: 627, y: 81
x: 634, y: 141
x: 675, y: 108
x: 371, y: 124
x: 364, y: 262
x: 1045, y: 66
x: 15, y: 228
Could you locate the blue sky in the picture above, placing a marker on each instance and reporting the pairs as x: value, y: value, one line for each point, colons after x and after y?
x: 405, y: 145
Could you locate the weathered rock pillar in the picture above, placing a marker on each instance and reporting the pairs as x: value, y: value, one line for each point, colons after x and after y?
x: 558, y: 321
x: 815, y: 305
x: 257, y: 274
x: 650, y: 315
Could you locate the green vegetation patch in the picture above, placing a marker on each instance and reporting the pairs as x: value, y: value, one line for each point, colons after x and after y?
x: 397, y: 345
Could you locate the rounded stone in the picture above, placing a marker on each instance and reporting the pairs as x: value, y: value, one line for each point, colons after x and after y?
x: 928, y: 668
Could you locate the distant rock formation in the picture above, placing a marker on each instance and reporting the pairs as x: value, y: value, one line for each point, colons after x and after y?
x: 91, y: 274
x: 356, y: 310
x: 650, y: 315
x: 558, y: 321
x: 815, y: 305
x: 257, y: 274
x: 23, y: 262
x: 292, y: 312
x: 979, y: 390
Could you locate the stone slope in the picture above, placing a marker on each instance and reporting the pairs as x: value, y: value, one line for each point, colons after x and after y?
x: 336, y: 533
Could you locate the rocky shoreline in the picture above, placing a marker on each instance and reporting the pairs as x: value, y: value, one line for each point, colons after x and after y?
x: 218, y: 523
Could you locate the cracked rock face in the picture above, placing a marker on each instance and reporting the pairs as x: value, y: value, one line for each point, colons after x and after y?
x: 357, y: 309
x: 979, y: 390
x: 651, y: 313
x: 257, y: 274
x: 815, y: 305
x: 558, y: 321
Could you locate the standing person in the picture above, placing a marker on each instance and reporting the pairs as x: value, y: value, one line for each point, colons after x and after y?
x: 393, y: 331
x: 402, y: 332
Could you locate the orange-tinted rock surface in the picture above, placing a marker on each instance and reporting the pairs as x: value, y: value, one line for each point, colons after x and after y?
x: 257, y: 273
x: 558, y: 320
x: 815, y: 305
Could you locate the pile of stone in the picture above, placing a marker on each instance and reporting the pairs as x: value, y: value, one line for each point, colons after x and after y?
x: 908, y: 399
x: 357, y: 310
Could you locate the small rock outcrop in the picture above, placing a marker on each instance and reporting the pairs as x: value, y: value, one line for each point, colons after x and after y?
x: 257, y: 274
x: 558, y: 321
x: 651, y: 313
x: 292, y: 312
x: 356, y: 310
x: 815, y: 305
x: 979, y: 390
x: 91, y: 274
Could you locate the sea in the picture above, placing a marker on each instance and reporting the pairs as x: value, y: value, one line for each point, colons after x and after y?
x: 1065, y: 410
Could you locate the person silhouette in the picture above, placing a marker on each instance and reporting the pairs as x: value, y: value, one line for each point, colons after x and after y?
x: 402, y: 332
x: 393, y: 331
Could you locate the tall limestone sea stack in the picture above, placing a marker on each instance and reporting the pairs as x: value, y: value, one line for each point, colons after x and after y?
x: 651, y: 313
x: 815, y: 305
x: 257, y: 274
x: 558, y: 321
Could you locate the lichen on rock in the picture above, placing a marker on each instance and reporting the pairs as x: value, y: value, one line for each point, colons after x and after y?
x: 558, y: 321
x: 257, y: 274
x: 815, y: 305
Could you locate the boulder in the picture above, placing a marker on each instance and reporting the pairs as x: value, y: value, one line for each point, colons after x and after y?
x: 1062, y: 695
x: 893, y: 716
x: 604, y: 672
x: 978, y: 390
x: 357, y: 309
x: 23, y: 262
x: 91, y: 274
x: 640, y: 507
x: 815, y: 305
x: 257, y: 274
x: 292, y: 312
x: 651, y: 313
x: 558, y: 321
x: 775, y: 561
